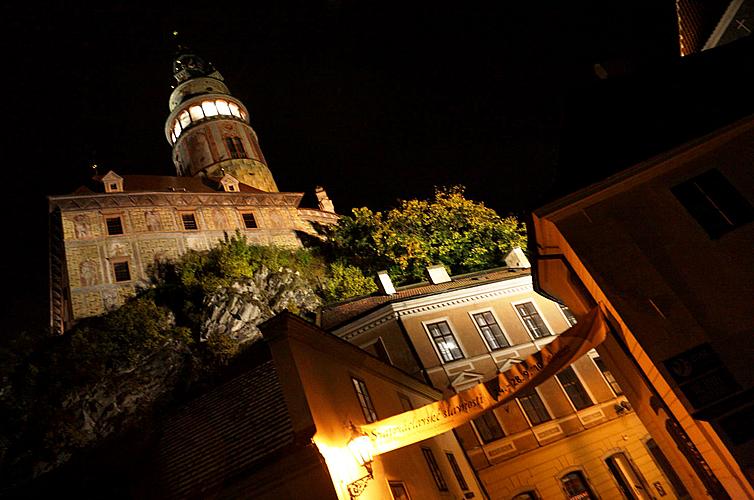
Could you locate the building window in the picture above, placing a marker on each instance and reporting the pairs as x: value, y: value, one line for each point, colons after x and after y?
x: 457, y: 471
x: 608, y: 376
x: 434, y: 469
x: 235, y: 147
x: 189, y: 222
x: 532, y: 320
x: 249, y: 221
x: 533, y: 407
x: 630, y: 480
x: 367, y: 407
x: 445, y: 341
x: 570, y: 318
x: 576, y: 486
x: 114, y: 225
x: 406, y: 403
x: 662, y: 461
x: 398, y: 490
x: 527, y: 495
x: 488, y: 427
x: 121, y: 271
x: 574, y: 389
x: 713, y: 201
x: 490, y: 330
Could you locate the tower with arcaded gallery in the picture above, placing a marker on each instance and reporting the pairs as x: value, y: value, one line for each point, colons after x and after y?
x: 209, y: 129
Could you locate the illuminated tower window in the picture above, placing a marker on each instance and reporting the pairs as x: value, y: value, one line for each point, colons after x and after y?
x: 235, y: 147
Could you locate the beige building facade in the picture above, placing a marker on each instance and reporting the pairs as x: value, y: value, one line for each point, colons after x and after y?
x: 666, y: 247
x: 574, y: 436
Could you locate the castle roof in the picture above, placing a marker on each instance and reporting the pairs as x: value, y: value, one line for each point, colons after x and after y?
x: 157, y: 183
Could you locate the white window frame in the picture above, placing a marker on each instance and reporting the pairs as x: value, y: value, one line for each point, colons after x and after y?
x: 560, y: 308
x: 553, y: 332
x: 453, y: 330
x: 479, y: 436
x: 544, y: 403
x: 586, y: 389
x: 499, y: 324
x: 594, y: 354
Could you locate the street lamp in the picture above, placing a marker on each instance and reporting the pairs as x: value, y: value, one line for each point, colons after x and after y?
x: 361, y: 447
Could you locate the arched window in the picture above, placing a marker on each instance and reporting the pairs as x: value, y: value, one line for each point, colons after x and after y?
x: 527, y: 495
x: 576, y: 486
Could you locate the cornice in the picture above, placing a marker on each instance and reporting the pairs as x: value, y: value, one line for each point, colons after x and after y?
x: 173, y: 199
x: 442, y: 300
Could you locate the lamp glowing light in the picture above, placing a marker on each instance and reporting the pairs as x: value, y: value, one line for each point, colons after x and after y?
x: 360, y: 447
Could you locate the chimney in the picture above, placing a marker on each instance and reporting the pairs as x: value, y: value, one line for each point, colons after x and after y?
x: 517, y: 258
x: 438, y: 274
x: 385, y: 283
x: 325, y: 203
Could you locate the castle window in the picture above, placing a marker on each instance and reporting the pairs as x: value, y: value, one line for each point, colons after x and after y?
x: 114, y: 225
x: 249, y: 221
x: 491, y: 331
x: 234, y: 109
x: 365, y: 400
x: 196, y: 113
x: 189, y: 222
x: 574, y: 389
x: 235, y: 147
x: 713, y: 201
x: 488, y: 427
x: 222, y: 107
x: 446, y: 343
x: 533, y: 406
x: 209, y: 108
x: 185, y: 120
x: 532, y: 320
x: 177, y: 129
x: 121, y: 271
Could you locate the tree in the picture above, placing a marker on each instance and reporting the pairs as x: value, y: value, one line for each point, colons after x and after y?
x: 450, y: 229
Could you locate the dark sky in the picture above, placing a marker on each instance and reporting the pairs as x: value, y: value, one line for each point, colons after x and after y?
x: 373, y: 100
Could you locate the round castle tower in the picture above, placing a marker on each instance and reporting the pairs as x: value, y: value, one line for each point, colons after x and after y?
x: 209, y: 129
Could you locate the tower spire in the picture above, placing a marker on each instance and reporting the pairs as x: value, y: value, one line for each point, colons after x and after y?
x: 208, y: 127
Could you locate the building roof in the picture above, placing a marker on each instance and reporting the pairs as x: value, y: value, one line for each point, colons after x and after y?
x: 223, y: 433
x: 157, y: 183
x: 335, y: 315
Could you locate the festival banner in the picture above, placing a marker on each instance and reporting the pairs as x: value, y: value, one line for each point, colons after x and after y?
x: 441, y: 416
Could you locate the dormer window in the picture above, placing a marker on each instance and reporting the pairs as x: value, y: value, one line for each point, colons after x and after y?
x: 113, y: 182
x: 229, y: 183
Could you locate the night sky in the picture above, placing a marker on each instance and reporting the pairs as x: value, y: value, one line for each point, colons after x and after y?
x: 375, y: 101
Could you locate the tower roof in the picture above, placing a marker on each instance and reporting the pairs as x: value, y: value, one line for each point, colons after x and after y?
x: 187, y: 64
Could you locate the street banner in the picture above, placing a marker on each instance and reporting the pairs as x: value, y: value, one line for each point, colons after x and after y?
x: 441, y: 416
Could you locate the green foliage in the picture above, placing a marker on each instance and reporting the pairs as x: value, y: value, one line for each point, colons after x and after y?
x: 346, y: 281
x: 462, y: 234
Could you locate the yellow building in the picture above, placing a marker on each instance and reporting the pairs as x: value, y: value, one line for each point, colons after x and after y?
x: 574, y: 436
x: 280, y: 429
x: 104, y: 237
x: 667, y: 247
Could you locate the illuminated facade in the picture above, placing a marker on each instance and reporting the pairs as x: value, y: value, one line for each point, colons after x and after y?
x: 105, y: 236
x: 281, y: 428
x: 573, y: 435
x: 666, y: 247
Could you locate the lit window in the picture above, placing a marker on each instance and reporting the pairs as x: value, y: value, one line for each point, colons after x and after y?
x: 715, y: 204
x: 172, y: 137
x: 177, y: 129
x: 210, y: 109
x: 608, y: 376
x: 367, y: 407
x: 185, y: 120
x: 568, y: 315
x: 121, y: 271
x: 248, y: 220
x: 533, y: 407
x: 189, y: 222
x: 532, y: 320
x: 445, y: 341
x: 574, y: 389
x: 243, y: 115
x: 434, y: 469
x: 457, y: 471
x: 196, y: 113
x: 488, y: 427
x: 576, y: 486
x: 234, y: 109
x: 222, y: 107
x: 114, y: 225
x: 491, y: 330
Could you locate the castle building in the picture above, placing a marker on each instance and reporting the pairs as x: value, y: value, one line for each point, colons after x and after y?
x: 573, y: 436
x: 666, y: 247
x: 105, y: 236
